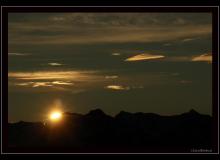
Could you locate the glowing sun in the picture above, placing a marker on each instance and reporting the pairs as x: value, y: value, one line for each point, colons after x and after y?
x: 55, y: 116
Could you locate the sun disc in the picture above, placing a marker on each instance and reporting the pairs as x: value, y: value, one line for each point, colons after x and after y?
x: 55, y: 116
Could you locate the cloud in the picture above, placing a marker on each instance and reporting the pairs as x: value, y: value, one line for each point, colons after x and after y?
x: 57, y: 18
x: 111, y: 77
x: 116, y: 54
x: 144, y: 56
x: 178, y: 58
x: 117, y: 87
x: 18, y: 54
x: 109, y: 35
x: 185, y: 81
x: 179, y: 21
x: 24, y: 84
x: 188, y: 39
x: 47, y: 81
x: 198, y: 58
x: 48, y: 86
x: 137, y: 87
x: 167, y: 44
x: 55, y: 64
x: 203, y: 58
x: 141, y: 57
x: 120, y: 87
x: 81, y: 28
x: 44, y: 84
x: 53, y: 75
x: 62, y: 83
x: 119, y: 19
x: 175, y: 74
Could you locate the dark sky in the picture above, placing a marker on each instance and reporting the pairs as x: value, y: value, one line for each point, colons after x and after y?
x: 136, y: 62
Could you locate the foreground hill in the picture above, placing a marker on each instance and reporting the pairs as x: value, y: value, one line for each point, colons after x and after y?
x: 126, y: 132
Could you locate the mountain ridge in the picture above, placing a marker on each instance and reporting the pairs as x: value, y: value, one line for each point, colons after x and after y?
x: 99, y: 111
x: 125, y: 130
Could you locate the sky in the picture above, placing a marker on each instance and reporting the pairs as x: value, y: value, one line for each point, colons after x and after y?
x: 135, y: 62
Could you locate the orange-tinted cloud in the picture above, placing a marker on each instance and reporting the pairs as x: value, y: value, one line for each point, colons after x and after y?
x: 50, y: 75
x: 71, y: 81
x: 144, y: 56
x: 204, y: 57
x: 117, y: 87
x: 45, y: 84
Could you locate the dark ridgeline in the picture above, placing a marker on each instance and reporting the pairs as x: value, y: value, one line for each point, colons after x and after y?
x: 126, y: 132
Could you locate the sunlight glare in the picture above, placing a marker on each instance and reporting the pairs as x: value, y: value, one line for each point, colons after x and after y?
x: 55, y: 116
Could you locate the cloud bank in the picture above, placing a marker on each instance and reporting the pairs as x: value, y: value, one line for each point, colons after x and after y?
x: 81, y: 28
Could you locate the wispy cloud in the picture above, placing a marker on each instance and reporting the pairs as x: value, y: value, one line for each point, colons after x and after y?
x: 178, y: 58
x: 175, y: 74
x: 111, y: 77
x: 188, y: 39
x: 42, y: 84
x: 111, y: 35
x: 55, y: 64
x: 56, y: 18
x: 185, y: 81
x: 117, y: 87
x: 189, y: 58
x: 106, y: 28
x: 48, y: 81
x: 180, y: 21
x: 53, y: 75
x: 18, y: 54
x: 199, y: 58
x: 24, y: 84
x: 144, y: 56
x: 203, y: 58
x: 137, y: 87
x: 167, y: 44
x: 62, y: 83
x: 45, y: 84
x: 116, y: 54
x: 122, y: 87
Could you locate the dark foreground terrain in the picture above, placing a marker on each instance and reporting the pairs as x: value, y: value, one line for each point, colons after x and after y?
x: 126, y: 132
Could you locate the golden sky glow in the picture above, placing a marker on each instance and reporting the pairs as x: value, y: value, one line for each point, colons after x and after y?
x: 114, y: 61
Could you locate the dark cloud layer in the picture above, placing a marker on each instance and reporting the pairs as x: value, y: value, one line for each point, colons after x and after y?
x: 77, y: 28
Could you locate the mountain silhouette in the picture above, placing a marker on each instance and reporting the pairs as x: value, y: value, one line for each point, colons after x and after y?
x: 126, y: 132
